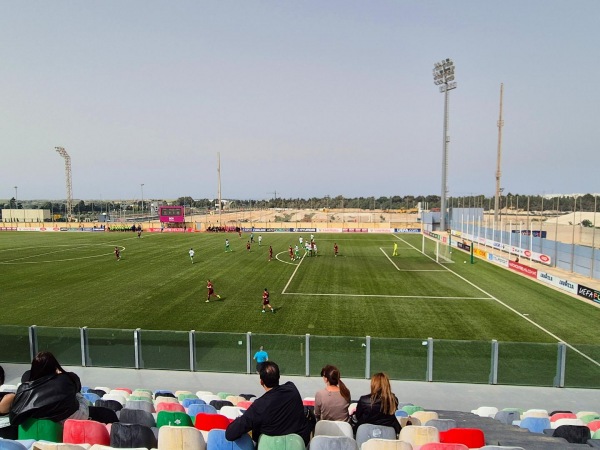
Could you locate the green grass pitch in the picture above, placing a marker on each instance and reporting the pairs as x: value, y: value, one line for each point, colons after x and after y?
x: 74, y: 280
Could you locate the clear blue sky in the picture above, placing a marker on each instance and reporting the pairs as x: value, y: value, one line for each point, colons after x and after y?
x: 306, y: 98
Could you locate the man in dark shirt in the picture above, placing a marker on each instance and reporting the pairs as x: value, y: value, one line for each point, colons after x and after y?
x: 279, y: 411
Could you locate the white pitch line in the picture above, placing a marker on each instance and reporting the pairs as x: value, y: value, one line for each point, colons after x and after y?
x: 293, y: 274
x: 285, y: 262
x: 389, y: 259
x: 21, y: 260
x: 593, y: 361
x: 425, y: 297
x: 408, y: 270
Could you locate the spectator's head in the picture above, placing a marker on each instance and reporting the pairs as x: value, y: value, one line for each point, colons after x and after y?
x: 382, y: 390
x: 44, y: 364
x: 1, y: 375
x: 331, y: 374
x: 269, y: 374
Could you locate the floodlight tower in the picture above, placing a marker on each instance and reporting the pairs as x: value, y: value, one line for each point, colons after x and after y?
x: 62, y: 152
x: 499, y: 160
x: 443, y: 76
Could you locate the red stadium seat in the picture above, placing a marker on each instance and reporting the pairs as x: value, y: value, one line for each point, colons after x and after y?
x: 471, y: 437
x: 555, y: 417
x: 85, y: 432
x: 207, y: 422
x: 174, y: 407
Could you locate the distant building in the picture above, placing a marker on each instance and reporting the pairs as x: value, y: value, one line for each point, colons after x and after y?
x: 25, y: 215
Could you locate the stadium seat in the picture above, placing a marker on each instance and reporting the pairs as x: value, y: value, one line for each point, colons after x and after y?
x: 333, y: 443
x: 574, y: 434
x: 164, y: 399
x: 91, y: 397
x: 138, y: 416
x: 401, y: 413
x: 224, y: 395
x: 146, y: 398
x: 368, y: 431
x: 85, y: 432
x: 131, y: 435
x: 162, y: 406
x: 209, y: 398
x: 248, y: 396
x: 410, y: 409
x: 163, y: 393
x: 9, y: 444
x: 562, y: 415
x: 118, y: 397
x: 115, y: 405
x: 140, y: 404
x: 419, y: 435
x: 41, y: 445
x: 217, y: 441
x: 41, y: 430
x: 485, y: 411
x: 586, y: 413
x: 596, y: 434
x: 231, y: 412
x: 507, y: 417
x: 441, y: 424
x: 535, y: 413
x: 589, y: 418
x: 424, y: 416
x: 105, y: 389
x: 235, y: 399
x: 560, y: 422
x: 535, y: 424
x: 471, y: 437
x: 443, y: 446
x: 500, y: 447
x: 102, y: 415
x: 192, y: 401
x: 99, y: 392
x: 207, y: 422
x: 593, y: 425
x: 174, y: 419
x: 333, y: 428
x: 195, y: 409
x: 245, y: 404
x: 180, y: 438
x: 125, y: 392
x: 201, y: 393
x: 385, y: 444
x: 218, y: 404
x: 183, y: 393
x: 287, y: 442
x: 308, y: 401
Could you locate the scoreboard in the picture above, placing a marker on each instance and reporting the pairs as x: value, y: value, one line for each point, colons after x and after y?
x: 173, y: 214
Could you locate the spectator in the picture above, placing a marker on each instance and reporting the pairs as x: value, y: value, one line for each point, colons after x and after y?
x: 279, y: 411
x: 332, y: 402
x: 6, y: 399
x: 378, y: 407
x: 51, y: 393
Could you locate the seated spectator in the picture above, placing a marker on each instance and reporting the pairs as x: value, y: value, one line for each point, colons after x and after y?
x: 279, y: 411
x: 332, y: 402
x: 6, y: 399
x: 51, y: 393
x: 378, y: 407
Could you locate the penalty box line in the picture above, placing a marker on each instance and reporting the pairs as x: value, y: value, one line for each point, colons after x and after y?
x: 423, y: 297
x: 510, y: 308
x: 408, y: 270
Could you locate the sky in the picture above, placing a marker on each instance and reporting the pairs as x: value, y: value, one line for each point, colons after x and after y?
x: 302, y: 98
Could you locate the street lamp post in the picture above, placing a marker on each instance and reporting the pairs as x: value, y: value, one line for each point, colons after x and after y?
x: 443, y: 76
x: 142, y: 186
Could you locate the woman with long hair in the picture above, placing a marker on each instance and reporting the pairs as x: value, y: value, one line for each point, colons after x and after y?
x: 50, y: 393
x: 331, y: 403
x: 379, y: 407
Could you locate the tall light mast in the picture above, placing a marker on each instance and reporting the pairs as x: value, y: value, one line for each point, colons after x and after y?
x: 499, y: 160
x: 219, y: 186
x: 62, y: 152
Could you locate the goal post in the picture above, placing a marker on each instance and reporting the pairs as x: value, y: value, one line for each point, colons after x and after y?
x: 437, y: 250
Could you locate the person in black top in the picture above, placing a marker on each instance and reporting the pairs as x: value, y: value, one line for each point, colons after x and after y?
x: 6, y: 399
x: 379, y: 407
x: 279, y: 411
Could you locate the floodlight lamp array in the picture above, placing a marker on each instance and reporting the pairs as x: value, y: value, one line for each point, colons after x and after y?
x: 443, y: 72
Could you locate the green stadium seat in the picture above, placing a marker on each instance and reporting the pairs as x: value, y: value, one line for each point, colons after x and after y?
x: 287, y: 442
x: 41, y: 430
x: 174, y: 419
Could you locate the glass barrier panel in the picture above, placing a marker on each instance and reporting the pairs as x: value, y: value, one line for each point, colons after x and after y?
x: 288, y: 352
x: 527, y: 364
x: 64, y: 343
x: 462, y: 361
x: 346, y: 353
x: 221, y: 352
x: 110, y: 348
x: 583, y: 369
x: 400, y: 359
x: 14, y: 344
x: 165, y: 349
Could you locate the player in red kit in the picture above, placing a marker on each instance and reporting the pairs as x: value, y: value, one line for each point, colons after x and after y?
x: 291, y: 251
x: 211, y: 291
x: 118, y: 253
x: 266, y: 301
x: 335, y: 249
x: 248, y: 245
x: 270, y: 253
